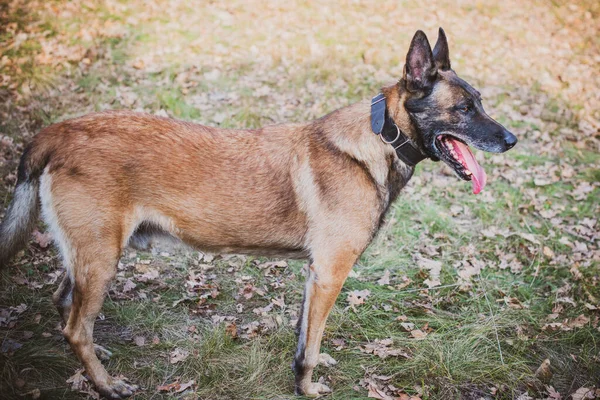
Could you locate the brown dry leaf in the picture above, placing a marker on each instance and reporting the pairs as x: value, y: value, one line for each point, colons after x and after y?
x: 128, y: 286
x: 42, y: 239
x: 577, y: 275
x: 184, y: 386
x: 547, y: 251
x: 552, y: 327
x: 339, y: 343
x: 358, y: 297
x: 543, y: 373
x: 77, y: 380
x: 583, y: 393
x: 168, y: 387
x: 139, y: 64
x: 553, y: 394
x: 434, y: 268
x: 247, y: 291
x: 178, y: 355
x: 263, y: 310
x: 20, y: 309
x: 35, y: 394
x: 250, y: 330
x: 529, y: 237
x: 279, y: 301
x: 407, y: 326
x: 377, y: 393
x: 385, y: 279
x: 513, y: 302
x: 405, y: 282
x: 579, y: 322
x: 148, y: 276
x: 418, y: 334
x: 231, y: 329
x: 382, y: 349
x: 405, y: 396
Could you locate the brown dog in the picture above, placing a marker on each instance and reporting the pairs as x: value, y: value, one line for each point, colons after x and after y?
x: 317, y: 190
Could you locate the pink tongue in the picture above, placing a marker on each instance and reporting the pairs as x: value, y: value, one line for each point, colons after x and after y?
x: 479, y: 178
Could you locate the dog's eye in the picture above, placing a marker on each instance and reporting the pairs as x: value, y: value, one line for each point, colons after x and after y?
x: 465, y: 108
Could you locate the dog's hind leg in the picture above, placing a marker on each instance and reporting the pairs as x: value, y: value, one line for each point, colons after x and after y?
x: 63, y: 298
x: 325, y: 279
x: 93, y: 273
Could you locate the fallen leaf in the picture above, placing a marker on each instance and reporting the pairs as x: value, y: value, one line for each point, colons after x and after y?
x: 184, y: 386
x: 553, y: 394
x: 385, y: 279
x: 178, y: 355
x: 404, y: 396
x: 42, y: 239
x: 168, y: 387
x: 77, y: 380
x: 418, y: 334
x: 529, y: 237
x: 407, y: 326
x: 434, y: 267
x: 548, y: 252
x: 382, y: 349
x: 543, y: 373
x: 358, y: 297
x: 148, y: 276
x: 578, y: 322
x: 377, y: 393
x: 128, y: 286
x: 583, y: 393
x: 339, y: 343
x: 231, y: 329
x: 139, y: 340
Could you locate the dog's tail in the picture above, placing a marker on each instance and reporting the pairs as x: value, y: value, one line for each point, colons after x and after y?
x: 22, y: 213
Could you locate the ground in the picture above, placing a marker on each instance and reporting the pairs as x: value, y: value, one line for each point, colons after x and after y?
x: 460, y: 296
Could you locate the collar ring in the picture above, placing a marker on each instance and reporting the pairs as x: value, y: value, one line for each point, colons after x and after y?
x: 391, y: 141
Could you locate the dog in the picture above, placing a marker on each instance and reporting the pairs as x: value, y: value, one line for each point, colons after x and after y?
x: 318, y: 190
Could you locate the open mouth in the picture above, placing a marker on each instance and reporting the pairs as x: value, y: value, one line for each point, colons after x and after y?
x: 457, y: 154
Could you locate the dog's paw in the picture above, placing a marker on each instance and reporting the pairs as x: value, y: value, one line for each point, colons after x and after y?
x: 314, y: 389
x: 102, y: 353
x: 326, y: 360
x: 118, y: 388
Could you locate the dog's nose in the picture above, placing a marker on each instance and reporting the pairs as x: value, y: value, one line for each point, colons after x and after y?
x: 509, y: 140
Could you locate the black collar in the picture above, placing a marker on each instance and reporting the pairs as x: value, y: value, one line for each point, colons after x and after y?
x: 381, y: 123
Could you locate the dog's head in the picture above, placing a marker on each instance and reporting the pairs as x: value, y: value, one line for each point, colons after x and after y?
x: 446, y: 112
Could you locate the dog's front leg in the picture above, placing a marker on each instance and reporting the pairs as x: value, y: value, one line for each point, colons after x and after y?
x: 323, y: 284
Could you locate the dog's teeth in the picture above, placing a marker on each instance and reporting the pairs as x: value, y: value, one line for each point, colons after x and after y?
x: 468, y: 173
x: 450, y: 146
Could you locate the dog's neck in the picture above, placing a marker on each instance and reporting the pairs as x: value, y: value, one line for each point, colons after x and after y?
x: 349, y: 130
x: 394, y: 97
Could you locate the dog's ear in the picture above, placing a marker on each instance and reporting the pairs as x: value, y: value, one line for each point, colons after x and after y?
x: 420, y: 69
x: 441, y: 54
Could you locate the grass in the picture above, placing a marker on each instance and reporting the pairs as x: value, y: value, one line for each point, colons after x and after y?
x: 486, y: 334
